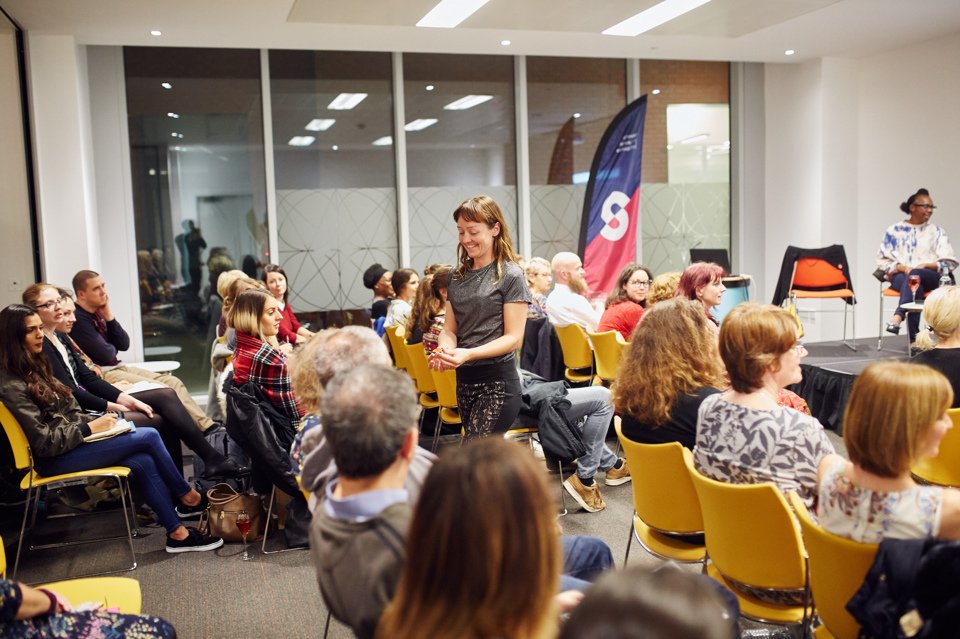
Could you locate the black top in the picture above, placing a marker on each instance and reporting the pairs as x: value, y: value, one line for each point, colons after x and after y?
x: 93, y: 392
x: 682, y: 426
x: 379, y: 308
x: 947, y: 361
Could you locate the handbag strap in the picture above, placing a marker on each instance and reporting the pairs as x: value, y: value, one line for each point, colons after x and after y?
x: 222, y: 494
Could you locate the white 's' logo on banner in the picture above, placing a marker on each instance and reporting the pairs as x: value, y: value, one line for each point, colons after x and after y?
x: 617, y: 231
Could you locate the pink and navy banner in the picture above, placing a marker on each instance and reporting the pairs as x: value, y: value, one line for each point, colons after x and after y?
x: 611, y: 209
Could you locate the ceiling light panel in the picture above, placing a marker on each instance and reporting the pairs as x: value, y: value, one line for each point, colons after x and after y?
x: 346, y: 101
x: 467, y: 102
x: 302, y: 140
x: 449, y: 13
x: 319, y: 124
x: 420, y: 124
x: 653, y: 17
x: 384, y: 141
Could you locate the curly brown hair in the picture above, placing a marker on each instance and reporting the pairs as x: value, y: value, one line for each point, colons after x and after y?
x: 671, y: 353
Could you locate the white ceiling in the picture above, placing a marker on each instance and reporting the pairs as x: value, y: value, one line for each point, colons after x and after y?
x: 737, y: 30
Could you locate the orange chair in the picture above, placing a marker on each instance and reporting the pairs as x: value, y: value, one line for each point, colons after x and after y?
x: 815, y: 278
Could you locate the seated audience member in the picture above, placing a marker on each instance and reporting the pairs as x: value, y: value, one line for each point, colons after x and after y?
x: 224, y: 282
x: 158, y: 408
x: 429, y: 311
x: 703, y: 282
x: 333, y: 352
x: 357, y: 535
x: 669, y: 368
x: 663, y: 287
x: 940, y: 345
x: 567, y: 305
x: 627, y: 301
x: 32, y: 613
x: 55, y: 428
x: 423, y: 307
x: 378, y: 279
x: 743, y: 435
x: 896, y: 415
x: 291, y: 332
x: 100, y: 336
x: 636, y: 603
x: 404, y: 282
x: 255, y: 316
x: 539, y: 276
x: 492, y: 497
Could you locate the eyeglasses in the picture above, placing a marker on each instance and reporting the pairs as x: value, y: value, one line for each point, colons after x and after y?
x: 925, y: 206
x: 49, y: 305
x: 800, y: 348
x: 641, y: 283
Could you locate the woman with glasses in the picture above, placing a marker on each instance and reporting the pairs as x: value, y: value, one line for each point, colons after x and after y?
x: 539, y: 280
x: 914, y: 247
x: 627, y: 301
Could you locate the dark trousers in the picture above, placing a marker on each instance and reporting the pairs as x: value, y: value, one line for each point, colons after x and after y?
x: 929, y: 280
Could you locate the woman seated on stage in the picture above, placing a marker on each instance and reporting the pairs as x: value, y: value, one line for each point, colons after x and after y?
x: 914, y: 247
x: 703, y: 282
x: 55, y: 427
x: 669, y: 368
x: 493, y: 497
x: 896, y: 415
x: 158, y: 408
x: 291, y: 332
x: 627, y: 301
x: 255, y: 316
x: 743, y: 435
x: 940, y: 345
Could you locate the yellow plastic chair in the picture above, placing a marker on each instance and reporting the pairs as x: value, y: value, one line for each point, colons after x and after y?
x: 752, y: 541
x: 664, y: 501
x: 426, y: 386
x: 944, y: 469
x: 33, y: 482
x: 577, y: 354
x: 396, y: 334
x: 607, y: 350
x: 837, y: 568
x: 446, y: 382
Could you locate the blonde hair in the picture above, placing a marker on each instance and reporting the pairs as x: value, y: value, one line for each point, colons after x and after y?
x: 752, y: 339
x: 663, y: 287
x: 484, y: 209
x: 671, y: 353
x: 535, y: 264
x: 941, y: 312
x: 247, y: 310
x: 303, y: 372
x: 892, y: 407
x: 239, y: 284
x: 226, y: 279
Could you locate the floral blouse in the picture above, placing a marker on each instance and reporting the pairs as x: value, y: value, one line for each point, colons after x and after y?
x: 868, y: 516
x: 913, y: 244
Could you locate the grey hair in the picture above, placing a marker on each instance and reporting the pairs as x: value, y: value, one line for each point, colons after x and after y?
x: 365, y: 436
x: 348, y: 348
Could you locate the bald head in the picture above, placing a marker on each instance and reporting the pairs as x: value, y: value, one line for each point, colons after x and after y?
x: 568, y: 270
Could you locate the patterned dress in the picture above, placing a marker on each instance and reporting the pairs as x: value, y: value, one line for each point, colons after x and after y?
x: 913, y: 244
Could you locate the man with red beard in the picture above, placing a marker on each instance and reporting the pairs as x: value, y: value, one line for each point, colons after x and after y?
x: 567, y: 305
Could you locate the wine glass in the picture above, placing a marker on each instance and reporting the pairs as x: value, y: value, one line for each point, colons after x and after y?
x: 243, y: 525
x: 914, y: 282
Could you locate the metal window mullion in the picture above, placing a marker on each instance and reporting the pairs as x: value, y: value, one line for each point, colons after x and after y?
x: 270, y: 183
x: 524, y: 232
x: 400, y: 151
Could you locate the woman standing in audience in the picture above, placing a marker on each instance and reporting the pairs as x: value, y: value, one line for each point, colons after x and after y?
x: 55, y: 427
x: 940, y: 345
x: 743, y: 435
x: 896, y: 416
x: 405, y: 282
x: 255, y: 316
x: 291, y: 331
x: 494, y: 499
x: 627, y: 301
x: 703, y: 282
x: 669, y: 368
x: 539, y: 280
x: 158, y: 408
x: 485, y: 316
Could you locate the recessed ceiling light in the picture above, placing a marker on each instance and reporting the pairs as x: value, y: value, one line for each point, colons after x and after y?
x: 789, y: 52
x: 319, y: 124
x: 420, y: 124
x: 449, y: 13
x: 152, y: 172
x: 467, y: 102
x: 156, y: 33
x: 346, y: 101
x: 335, y: 147
x: 429, y: 87
x: 176, y: 135
x: 577, y: 115
x: 302, y: 140
x: 171, y: 114
x: 656, y: 92
x: 384, y: 141
x: 653, y: 17
x: 505, y: 43
x: 166, y: 85
x: 176, y: 148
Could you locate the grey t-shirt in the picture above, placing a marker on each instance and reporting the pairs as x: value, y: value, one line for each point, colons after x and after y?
x: 477, y: 300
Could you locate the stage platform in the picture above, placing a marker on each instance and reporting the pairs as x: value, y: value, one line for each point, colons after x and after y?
x: 830, y: 368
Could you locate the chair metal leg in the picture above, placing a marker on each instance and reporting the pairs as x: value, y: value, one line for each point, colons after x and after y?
x: 629, y: 540
x: 563, y: 496
x: 326, y: 626
x: 23, y: 529
x: 849, y: 308
x: 266, y: 529
x: 436, y: 431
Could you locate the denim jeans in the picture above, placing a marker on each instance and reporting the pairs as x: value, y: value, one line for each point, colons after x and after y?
x: 143, y: 453
x: 584, y: 559
x: 592, y: 407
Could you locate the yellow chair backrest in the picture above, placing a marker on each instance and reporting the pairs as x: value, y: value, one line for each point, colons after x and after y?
x: 944, y: 469
x: 3, y: 560
x: 608, y: 349
x: 397, y: 336
x: 446, y: 382
x: 575, y: 347
x: 663, y: 493
x: 417, y: 357
x: 18, y: 441
x: 751, y: 535
x: 837, y: 569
